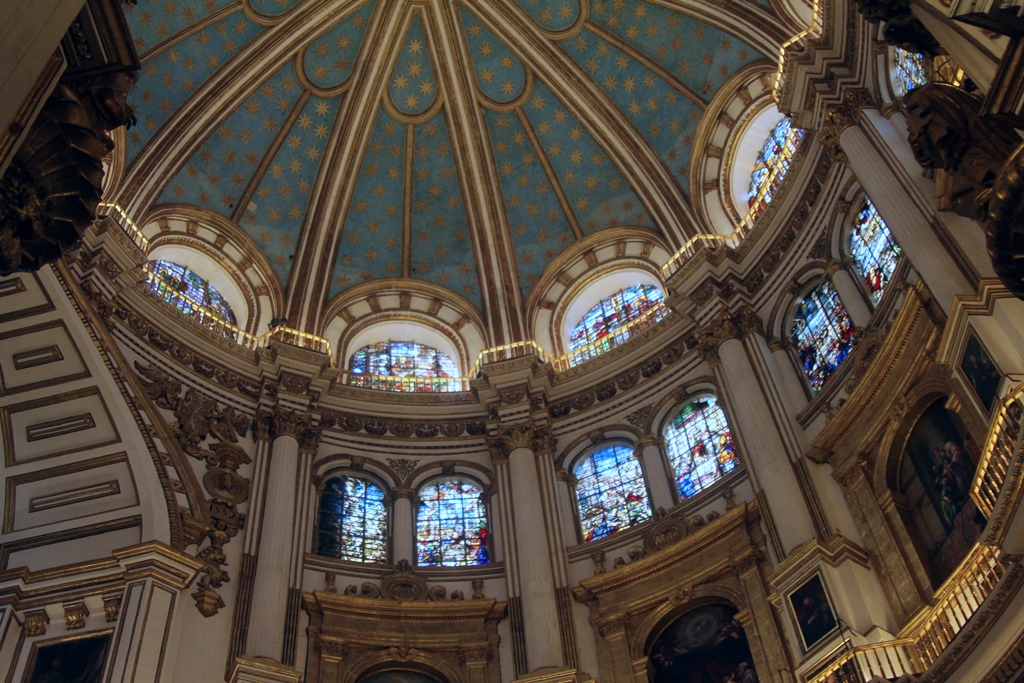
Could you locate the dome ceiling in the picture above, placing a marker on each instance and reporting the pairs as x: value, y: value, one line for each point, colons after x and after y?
x: 466, y: 145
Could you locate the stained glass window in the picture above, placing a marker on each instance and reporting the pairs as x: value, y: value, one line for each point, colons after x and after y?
x: 910, y: 71
x: 611, y: 492
x: 823, y: 334
x: 700, y: 446
x: 772, y: 163
x: 403, y: 366
x: 604, y: 324
x: 873, y: 250
x: 451, y: 525
x: 353, y: 521
x: 187, y: 291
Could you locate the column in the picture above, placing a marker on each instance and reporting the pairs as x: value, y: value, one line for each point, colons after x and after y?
x: 155, y: 577
x: 979, y: 64
x: 537, y: 584
x: 273, y: 568
x: 536, y: 578
x: 403, y: 525
x: 905, y: 592
x: 851, y: 296
x: 763, y: 450
x: 649, y: 451
x: 908, y: 213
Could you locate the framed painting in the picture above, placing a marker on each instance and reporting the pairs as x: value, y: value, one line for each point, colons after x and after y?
x: 812, y: 608
x: 980, y: 372
x: 77, y: 659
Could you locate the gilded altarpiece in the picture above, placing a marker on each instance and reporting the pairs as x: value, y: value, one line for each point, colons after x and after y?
x: 720, y: 564
x: 353, y: 636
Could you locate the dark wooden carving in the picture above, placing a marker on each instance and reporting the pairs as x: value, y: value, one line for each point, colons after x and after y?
x: 50, y: 192
x: 902, y: 29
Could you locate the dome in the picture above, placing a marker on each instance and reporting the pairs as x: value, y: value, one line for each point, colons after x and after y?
x: 508, y: 341
x: 472, y: 157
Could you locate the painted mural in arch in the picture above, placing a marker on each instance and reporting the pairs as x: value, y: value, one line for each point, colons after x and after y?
x: 400, y: 676
x: 935, y: 476
x: 705, y: 645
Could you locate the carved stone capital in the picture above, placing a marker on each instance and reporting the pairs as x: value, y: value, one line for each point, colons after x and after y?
x: 647, y: 440
x: 402, y: 492
x: 291, y: 423
x: 74, y: 615
x: 540, y: 440
x: 475, y: 655
x: 331, y: 647
x: 111, y: 608
x: 36, y: 622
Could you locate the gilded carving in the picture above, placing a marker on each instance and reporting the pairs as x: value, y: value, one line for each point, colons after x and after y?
x: 331, y: 647
x: 478, y: 655
x: 74, y: 615
x: 50, y: 193
x: 112, y: 608
x: 36, y: 622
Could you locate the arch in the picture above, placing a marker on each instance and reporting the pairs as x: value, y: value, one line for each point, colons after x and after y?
x: 872, y: 250
x: 609, y: 311
x: 822, y: 333
x: 933, y: 478
x: 452, y: 528
x: 353, y: 519
x: 224, y: 254
x: 700, y: 445
x: 707, y: 641
x: 403, y: 365
x: 611, y: 491
x: 188, y: 291
x: 365, y: 664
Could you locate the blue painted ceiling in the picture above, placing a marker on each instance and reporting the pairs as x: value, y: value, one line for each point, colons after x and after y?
x: 401, y: 196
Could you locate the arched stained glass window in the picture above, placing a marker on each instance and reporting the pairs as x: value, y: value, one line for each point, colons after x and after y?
x: 403, y: 366
x: 700, y: 446
x: 353, y: 521
x: 823, y: 334
x: 451, y: 525
x: 772, y: 163
x: 611, y: 492
x: 873, y: 250
x: 187, y: 291
x: 910, y: 71
x: 604, y: 324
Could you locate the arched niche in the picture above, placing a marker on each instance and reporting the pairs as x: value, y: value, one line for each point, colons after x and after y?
x: 932, y: 482
x: 222, y: 254
x: 579, y: 267
x: 706, y: 644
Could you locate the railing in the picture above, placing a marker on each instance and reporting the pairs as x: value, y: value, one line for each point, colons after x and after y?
x: 713, y: 240
x: 955, y: 604
x: 126, y: 223
x: 817, y: 19
x: 418, y: 385
x: 641, y: 323
x: 222, y: 329
x: 520, y: 349
x: 1001, y: 447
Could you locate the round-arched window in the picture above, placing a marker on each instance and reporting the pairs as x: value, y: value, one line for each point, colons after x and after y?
x: 909, y: 71
x: 403, y: 366
x: 610, y: 492
x: 772, y: 163
x: 615, y: 318
x: 700, y: 446
x: 873, y: 251
x: 822, y: 333
x: 451, y: 525
x: 353, y: 520
x: 187, y: 291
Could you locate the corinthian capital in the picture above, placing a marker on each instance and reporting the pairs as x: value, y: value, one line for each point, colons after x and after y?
x: 540, y: 440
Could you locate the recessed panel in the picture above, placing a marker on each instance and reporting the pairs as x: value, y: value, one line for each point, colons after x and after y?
x: 91, y: 542
x: 37, y: 356
x: 22, y: 295
x: 66, y: 423
x: 74, y: 491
